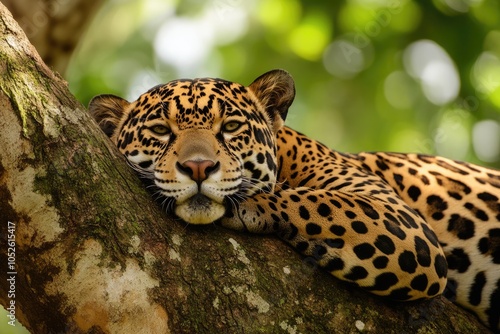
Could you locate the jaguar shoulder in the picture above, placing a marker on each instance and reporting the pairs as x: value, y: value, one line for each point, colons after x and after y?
x: 405, y: 226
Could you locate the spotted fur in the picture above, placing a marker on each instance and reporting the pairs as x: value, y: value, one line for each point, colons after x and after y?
x: 404, y: 226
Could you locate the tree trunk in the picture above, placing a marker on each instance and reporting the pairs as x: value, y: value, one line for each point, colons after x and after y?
x: 85, y: 250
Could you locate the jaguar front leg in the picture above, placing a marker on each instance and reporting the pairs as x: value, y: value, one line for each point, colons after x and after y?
x: 384, y: 247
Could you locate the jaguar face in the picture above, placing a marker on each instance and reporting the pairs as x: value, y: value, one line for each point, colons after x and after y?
x: 202, y: 144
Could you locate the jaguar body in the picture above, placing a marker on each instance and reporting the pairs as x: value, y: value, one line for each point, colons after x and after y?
x: 404, y: 226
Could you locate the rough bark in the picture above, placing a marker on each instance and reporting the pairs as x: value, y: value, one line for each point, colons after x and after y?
x: 93, y: 254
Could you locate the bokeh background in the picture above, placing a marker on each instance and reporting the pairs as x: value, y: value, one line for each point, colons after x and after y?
x: 392, y: 75
x: 371, y: 75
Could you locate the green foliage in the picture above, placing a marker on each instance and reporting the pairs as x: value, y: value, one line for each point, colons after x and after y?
x: 396, y: 75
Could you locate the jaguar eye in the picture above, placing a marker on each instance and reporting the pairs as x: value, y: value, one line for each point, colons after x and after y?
x: 231, y: 126
x: 160, y: 129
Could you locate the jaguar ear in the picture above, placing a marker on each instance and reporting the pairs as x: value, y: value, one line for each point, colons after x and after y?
x: 108, y: 110
x: 276, y: 91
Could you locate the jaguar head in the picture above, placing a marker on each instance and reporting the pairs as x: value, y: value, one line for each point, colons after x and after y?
x: 202, y: 144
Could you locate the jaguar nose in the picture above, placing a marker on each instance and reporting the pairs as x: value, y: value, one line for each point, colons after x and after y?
x: 198, y: 170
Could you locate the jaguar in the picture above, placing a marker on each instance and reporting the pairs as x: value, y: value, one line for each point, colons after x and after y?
x: 403, y: 226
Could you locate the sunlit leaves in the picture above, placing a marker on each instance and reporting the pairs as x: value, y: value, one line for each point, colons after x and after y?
x: 310, y: 37
x: 370, y: 74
